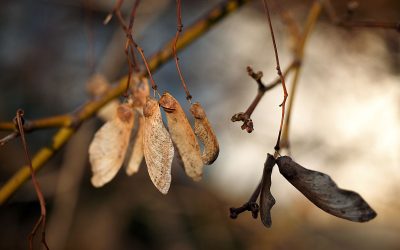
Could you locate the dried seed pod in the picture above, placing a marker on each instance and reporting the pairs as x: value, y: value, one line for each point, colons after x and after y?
x: 183, y: 136
x: 137, y: 151
x: 98, y: 86
x: 109, y: 145
x: 321, y: 190
x: 157, y: 147
x: 267, y: 201
x: 204, y: 131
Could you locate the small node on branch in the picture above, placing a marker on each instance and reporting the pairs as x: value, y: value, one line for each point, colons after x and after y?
x: 251, y: 206
x: 257, y: 77
x: 245, y: 118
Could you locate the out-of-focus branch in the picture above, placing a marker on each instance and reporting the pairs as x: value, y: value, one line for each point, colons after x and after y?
x: 312, y: 18
x: 90, y: 108
x: 348, y: 23
x: 287, y: 19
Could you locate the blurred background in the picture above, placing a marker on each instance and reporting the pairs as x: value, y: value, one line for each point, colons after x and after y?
x: 346, y: 123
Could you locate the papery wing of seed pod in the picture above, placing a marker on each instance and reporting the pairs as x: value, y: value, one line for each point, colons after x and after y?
x: 321, y: 190
x: 137, y: 150
x: 267, y: 201
x: 108, y: 147
x: 183, y: 136
x: 157, y: 147
x: 98, y: 86
x: 140, y: 91
x: 204, y: 131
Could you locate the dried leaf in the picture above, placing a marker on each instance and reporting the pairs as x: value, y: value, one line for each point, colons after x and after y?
x: 109, y: 145
x: 267, y: 201
x: 183, y: 136
x: 137, y: 150
x: 157, y: 147
x: 98, y: 86
x: 321, y: 190
x: 204, y: 131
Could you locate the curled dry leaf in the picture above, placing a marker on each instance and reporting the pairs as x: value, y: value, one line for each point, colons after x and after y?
x: 267, y: 201
x: 157, y: 147
x: 109, y: 145
x: 321, y: 190
x: 98, y: 86
x: 137, y: 150
x: 205, y: 133
x: 183, y: 136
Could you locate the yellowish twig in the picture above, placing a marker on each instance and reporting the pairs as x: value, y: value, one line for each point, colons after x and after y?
x: 69, y: 122
x: 299, y: 53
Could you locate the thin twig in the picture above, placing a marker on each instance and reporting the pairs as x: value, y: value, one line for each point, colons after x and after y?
x: 278, y: 69
x: 42, y: 219
x: 251, y: 205
x: 8, y: 138
x: 179, y: 28
x: 245, y: 117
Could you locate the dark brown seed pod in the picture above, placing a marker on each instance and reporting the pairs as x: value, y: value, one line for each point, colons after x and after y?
x: 204, y: 131
x: 267, y: 201
x: 321, y: 190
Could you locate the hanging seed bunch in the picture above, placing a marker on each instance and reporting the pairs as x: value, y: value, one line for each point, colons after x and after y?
x: 317, y: 187
x: 153, y: 140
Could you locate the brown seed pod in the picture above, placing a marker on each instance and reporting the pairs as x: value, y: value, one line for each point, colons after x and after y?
x: 98, y: 86
x: 137, y: 151
x: 267, y: 201
x: 204, y: 131
x: 157, y: 147
x: 108, y: 147
x: 321, y: 190
x: 183, y: 136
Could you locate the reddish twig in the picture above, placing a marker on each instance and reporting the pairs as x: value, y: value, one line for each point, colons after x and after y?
x: 130, y: 42
x: 42, y: 219
x: 179, y: 28
x: 278, y: 69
